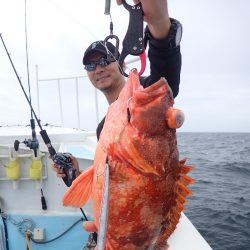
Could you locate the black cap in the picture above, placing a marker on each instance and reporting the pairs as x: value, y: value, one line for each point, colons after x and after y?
x: 107, y: 49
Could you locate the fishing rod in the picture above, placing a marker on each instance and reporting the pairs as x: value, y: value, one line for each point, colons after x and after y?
x: 33, y: 143
x: 62, y: 159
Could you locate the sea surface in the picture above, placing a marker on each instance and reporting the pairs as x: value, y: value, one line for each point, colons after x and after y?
x: 220, y: 205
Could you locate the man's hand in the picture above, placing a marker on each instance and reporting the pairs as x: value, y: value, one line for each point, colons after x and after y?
x: 59, y: 172
x: 156, y: 16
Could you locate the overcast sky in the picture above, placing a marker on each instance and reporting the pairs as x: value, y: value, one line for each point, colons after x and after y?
x: 215, y: 79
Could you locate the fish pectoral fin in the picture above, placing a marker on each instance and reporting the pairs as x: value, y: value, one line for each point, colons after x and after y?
x: 80, y: 191
x: 139, y: 162
x: 131, y: 155
x: 142, y: 166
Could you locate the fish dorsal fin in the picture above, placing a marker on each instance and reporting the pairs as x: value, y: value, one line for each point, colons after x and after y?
x: 81, y: 189
x: 181, y: 191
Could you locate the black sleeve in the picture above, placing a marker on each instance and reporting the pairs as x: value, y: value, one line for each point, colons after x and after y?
x: 99, y: 128
x: 164, y: 62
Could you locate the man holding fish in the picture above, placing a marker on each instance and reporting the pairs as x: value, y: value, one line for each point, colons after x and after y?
x: 164, y: 36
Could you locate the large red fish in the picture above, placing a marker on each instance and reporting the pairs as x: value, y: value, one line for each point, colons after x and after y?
x: 147, y: 183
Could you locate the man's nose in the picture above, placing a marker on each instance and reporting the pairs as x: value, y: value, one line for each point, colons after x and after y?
x: 99, y: 68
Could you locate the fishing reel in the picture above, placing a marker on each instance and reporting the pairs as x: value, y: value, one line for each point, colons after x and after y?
x: 65, y: 164
x: 63, y: 160
x: 32, y: 144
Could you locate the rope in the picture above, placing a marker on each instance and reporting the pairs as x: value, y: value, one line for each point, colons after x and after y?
x: 27, y: 238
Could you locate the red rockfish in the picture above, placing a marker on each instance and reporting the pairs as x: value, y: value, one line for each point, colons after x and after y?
x: 147, y: 182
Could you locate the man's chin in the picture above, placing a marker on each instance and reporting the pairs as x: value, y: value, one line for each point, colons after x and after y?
x: 103, y: 83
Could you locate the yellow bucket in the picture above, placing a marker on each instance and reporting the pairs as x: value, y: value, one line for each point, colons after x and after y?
x: 13, y: 169
x: 36, y: 168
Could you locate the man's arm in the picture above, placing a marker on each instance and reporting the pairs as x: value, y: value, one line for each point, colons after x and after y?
x: 165, y: 61
x: 156, y: 16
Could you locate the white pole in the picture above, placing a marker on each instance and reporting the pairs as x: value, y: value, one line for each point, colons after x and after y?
x: 77, y: 104
x: 96, y: 107
x: 60, y: 101
x: 37, y: 92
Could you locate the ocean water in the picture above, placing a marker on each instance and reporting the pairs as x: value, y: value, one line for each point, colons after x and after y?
x: 220, y: 204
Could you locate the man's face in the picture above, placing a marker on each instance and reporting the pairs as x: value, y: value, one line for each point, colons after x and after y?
x: 104, y: 78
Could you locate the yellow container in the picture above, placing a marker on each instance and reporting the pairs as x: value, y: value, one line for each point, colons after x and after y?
x: 13, y: 169
x: 36, y: 169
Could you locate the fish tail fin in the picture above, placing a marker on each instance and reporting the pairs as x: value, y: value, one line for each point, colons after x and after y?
x: 182, y: 191
x: 80, y: 191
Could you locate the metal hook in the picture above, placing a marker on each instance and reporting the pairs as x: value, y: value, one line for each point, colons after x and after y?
x: 113, y: 57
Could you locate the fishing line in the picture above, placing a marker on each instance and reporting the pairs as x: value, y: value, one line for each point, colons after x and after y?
x: 27, y: 56
x: 34, y: 141
x: 55, y: 156
x: 18, y: 78
x: 72, y: 17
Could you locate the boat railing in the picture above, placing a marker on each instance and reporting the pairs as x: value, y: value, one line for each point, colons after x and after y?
x: 98, y: 107
x: 59, y: 81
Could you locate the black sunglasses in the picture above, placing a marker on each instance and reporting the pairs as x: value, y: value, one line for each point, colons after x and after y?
x: 103, y: 62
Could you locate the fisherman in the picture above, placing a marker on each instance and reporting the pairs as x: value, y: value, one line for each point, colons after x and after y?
x: 163, y: 34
